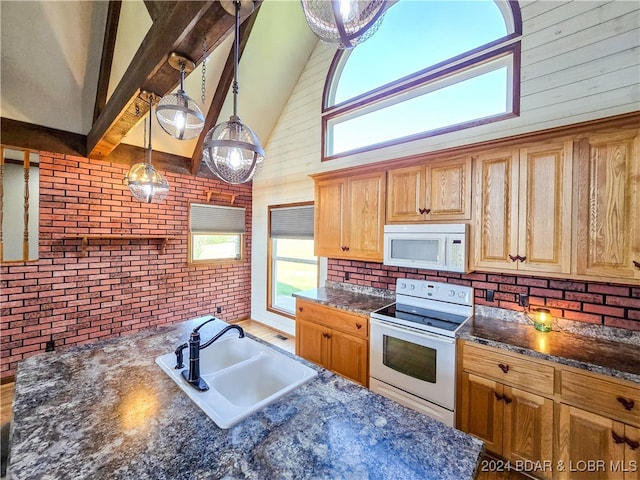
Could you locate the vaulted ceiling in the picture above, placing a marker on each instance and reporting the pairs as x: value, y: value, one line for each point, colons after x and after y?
x: 72, y: 72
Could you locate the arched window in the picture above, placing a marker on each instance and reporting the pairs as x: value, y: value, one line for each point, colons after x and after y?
x: 432, y: 67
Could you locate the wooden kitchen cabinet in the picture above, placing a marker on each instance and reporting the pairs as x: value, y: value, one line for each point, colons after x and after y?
x: 514, y: 423
x: 434, y: 190
x: 349, y: 219
x: 523, y: 209
x: 335, y: 339
x: 608, y: 242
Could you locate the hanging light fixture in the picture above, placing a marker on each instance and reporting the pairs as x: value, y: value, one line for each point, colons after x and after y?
x: 145, y: 182
x: 230, y: 149
x: 178, y: 114
x: 344, y: 23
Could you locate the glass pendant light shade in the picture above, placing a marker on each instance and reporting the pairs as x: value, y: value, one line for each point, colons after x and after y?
x: 180, y: 116
x: 147, y: 184
x: 344, y: 23
x: 233, y: 152
x: 177, y: 113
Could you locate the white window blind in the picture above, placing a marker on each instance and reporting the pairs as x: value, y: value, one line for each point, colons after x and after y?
x: 216, y: 219
x: 292, y: 222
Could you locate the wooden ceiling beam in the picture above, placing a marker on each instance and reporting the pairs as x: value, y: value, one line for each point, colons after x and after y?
x: 222, y: 89
x: 106, y: 61
x: 157, y: 8
x: 29, y: 136
x: 181, y: 29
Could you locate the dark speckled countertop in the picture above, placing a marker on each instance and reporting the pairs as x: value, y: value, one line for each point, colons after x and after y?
x: 108, y: 411
x: 597, y: 349
x: 360, y: 300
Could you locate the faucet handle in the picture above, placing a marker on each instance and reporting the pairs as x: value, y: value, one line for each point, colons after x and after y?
x: 179, y: 356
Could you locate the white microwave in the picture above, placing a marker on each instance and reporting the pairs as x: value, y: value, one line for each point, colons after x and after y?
x: 428, y: 246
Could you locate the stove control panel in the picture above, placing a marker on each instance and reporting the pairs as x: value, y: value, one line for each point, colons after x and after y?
x: 443, y: 292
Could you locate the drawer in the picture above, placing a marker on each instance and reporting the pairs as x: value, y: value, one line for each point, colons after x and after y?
x: 603, y: 395
x: 333, y: 318
x: 513, y: 370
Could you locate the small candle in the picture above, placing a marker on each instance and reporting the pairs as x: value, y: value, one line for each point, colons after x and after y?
x: 542, y: 319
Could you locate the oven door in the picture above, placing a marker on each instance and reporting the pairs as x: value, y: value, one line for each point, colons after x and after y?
x: 415, y: 361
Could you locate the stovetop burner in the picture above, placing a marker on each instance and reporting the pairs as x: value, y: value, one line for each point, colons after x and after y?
x: 422, y: 316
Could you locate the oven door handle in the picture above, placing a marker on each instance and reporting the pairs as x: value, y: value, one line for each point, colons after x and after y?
x: 401, y: 328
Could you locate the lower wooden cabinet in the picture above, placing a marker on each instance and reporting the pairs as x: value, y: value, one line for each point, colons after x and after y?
x: 514, y: 424
x: 595, y: 447
x: 564, y: 424
x: 322, y: 338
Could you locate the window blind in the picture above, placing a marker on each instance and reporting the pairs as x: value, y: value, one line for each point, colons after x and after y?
x: 216, y: 219
x: 292, y: 222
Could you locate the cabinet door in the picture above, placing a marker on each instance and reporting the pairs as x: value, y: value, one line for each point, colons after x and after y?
x: 311, y: 342
x: 496, y: 235
x: 632, y: 453
x: 329, y: 219
x: 582, y: 436
x: 528, y: 428
x: 482, y: 411
x: 364, y: 218
x: 349, y: 356
x: 609, y: 206
x: 406, y: 194
x: 448, y: 191
x: 544, y: 216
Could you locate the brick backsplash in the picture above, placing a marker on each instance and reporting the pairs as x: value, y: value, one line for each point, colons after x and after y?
x: 600, y: 303
x: 120, y: 286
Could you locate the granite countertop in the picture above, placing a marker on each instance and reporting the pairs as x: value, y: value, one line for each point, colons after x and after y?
x: 108, y: 411
x: 605, y: 350
x: 353, y: 298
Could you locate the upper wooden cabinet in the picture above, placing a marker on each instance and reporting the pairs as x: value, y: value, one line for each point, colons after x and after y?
x: 523, y: 210
x: 435, y: 190
x: 349, y: 220
x: 609, y: 205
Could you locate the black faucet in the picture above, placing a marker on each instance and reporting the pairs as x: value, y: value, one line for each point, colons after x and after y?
x: 193, y: 374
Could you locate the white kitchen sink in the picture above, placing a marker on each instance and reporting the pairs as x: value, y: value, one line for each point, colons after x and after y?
x: 243, y: 375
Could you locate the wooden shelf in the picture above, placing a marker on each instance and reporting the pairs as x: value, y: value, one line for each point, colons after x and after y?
x: 85, y: 239
x: 224, y: 197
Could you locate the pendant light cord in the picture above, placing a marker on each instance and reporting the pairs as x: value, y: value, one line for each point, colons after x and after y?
x: 236, y: 4
x: 150, y: 119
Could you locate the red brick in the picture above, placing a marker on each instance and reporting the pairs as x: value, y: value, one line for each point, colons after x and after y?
x: 582, y: 317
x: 544, y: 292
x: 604, y: 310
x: 622, y: 323
x: 624, y: 302
x: 584, y: 297
x: 608, y: 289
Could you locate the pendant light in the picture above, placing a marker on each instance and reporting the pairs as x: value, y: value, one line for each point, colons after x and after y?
x: 178, y: 114
x: 145, y: 182
x: 344, y: 23
x: 230, y: 149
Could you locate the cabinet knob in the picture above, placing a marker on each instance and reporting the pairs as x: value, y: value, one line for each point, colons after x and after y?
x: 358, y: 326
x: 617, y: 438
x: 346, y: 249
x: 522, y: 259
x: 514, y: 258
x: 632, y: 445
x: 503, y: 367
x: 627, y: 404
x: 636, y: 264
x: 507, y: 400
x: 498, y: 396
x: 300, y: 309
x: 427, y: 211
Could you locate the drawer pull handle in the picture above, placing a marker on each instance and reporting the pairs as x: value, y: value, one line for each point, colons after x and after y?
x: 617, y: 438
x: 498, y: 396
x: 627, y: 404
x: 636, y: 264
x: 514, y: 258
x: 508, y: 400
x: 632, y: 445
x: 358, y: 326
x: 503, y: 367
x: 522, y: 259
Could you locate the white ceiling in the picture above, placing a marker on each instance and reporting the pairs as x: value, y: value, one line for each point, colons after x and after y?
x: 50, y: 60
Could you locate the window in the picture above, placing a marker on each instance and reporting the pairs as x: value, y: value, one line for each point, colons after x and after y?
x: 292, y: 265
x: 216, y: 234
x: 19, y: 205
x: 432, y: 67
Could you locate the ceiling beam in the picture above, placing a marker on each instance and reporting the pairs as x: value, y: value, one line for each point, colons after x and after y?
x: 181, y: 29
x: 157, y: 8
x: 108, y: 47
x: 28, y: 136
x: 222, y: 89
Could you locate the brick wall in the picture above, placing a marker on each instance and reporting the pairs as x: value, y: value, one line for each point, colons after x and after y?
x: 121, y: 286
x: 601, y: 303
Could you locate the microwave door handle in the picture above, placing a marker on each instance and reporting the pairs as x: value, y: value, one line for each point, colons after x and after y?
x: 398, y: 328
